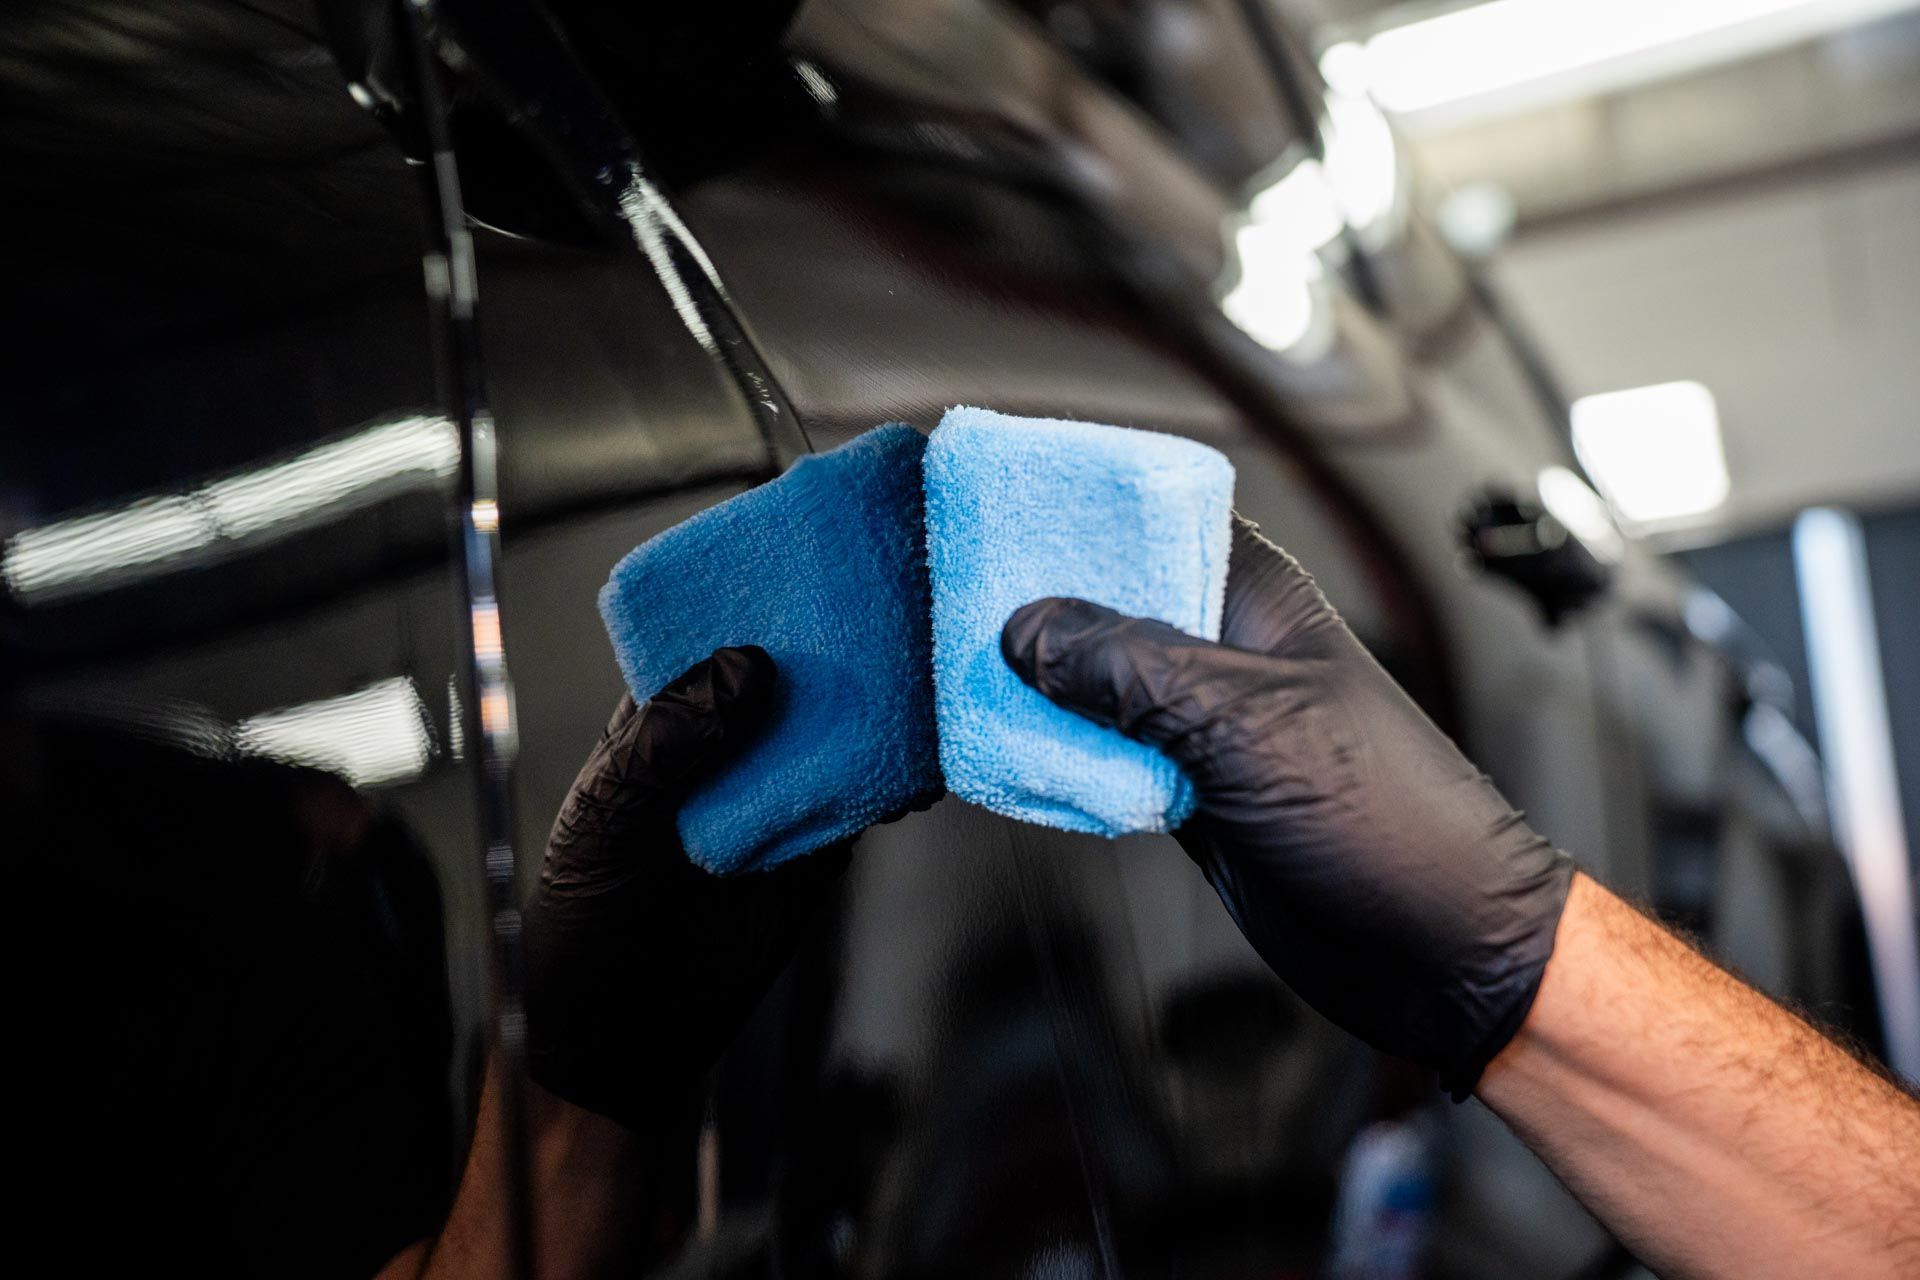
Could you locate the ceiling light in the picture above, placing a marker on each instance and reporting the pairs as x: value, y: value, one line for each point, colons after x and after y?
x: 1653, y: 451
x: 1509, y: 53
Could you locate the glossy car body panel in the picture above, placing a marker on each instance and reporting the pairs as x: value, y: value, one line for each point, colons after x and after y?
x: 1010, y: 1051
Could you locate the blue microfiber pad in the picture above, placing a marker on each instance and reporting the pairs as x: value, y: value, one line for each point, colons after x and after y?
x: 825, y: 569
x: 1023, y: 508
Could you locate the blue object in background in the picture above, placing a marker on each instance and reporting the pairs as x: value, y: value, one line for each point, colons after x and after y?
x: 825, y: 569
x: 1018, y: 509
x: 1384, y: 1214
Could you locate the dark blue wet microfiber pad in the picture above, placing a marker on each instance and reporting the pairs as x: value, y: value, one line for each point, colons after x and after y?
x: 825, y: 569
x: 1019, y: 509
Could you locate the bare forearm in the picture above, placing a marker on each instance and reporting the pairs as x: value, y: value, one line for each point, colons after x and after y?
x: 583, y: 1172
x: 1711, y: 1130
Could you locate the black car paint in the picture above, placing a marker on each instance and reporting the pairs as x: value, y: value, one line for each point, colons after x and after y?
x: 1011, y: 1050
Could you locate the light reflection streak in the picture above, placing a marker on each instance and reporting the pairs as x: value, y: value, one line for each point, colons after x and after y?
x: 817, y: 85
x: 1276, y: 299
x: 651, y: 219
x: 496, y: 717
x: 1276, y: 292
x: 1863, y: 781
x: 374, y: 736
x: 486, y: 631
x: 85, y: 555
x: 1584, y: 512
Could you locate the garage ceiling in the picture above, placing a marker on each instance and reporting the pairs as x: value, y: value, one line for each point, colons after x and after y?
x: 1753, y: 225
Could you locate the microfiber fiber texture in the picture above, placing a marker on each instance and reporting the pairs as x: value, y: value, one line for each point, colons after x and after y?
x: 825, y: 569
x: 1023, y: 508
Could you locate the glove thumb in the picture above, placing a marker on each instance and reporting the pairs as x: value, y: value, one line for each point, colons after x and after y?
x: 1147, y: 679
x: 650, y: 755
x: 694, y: 723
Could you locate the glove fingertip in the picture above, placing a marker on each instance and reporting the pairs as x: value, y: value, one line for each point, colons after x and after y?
x: 1019, y: 635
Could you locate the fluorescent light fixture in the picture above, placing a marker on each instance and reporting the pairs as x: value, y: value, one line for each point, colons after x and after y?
x: 1583, y: 512
x: 372, y: 737
x: 88, y: 554
x: 1654, y: 451
x: 1863, y: 787
x: 1507, y: 54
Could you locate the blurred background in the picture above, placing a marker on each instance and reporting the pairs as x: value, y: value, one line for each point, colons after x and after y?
x: 1707, y: 217
x: 1571, y: 344
x: 1721, y: 192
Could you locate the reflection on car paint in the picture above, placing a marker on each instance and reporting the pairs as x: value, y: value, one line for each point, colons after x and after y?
x: 257, y: 729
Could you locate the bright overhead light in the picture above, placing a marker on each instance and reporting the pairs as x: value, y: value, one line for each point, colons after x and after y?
x: 371, y: 737
x: 1654, y: 451
x: 1528, y: 52
x: 88, y: 554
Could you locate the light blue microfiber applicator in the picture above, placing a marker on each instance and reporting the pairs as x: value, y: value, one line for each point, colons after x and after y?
x: 825, y: 569
x: 1018, y: 509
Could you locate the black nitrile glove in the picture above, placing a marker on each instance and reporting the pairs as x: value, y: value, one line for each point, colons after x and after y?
x: 641, y: 967
x: 1376, y: 870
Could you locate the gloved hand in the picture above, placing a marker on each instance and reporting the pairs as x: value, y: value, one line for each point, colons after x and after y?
x: 641, y: 966
x: 1376, y: 870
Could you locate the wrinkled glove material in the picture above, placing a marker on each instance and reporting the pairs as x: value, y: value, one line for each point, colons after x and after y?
x: 1376, y: 870
x: 640, y: 966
